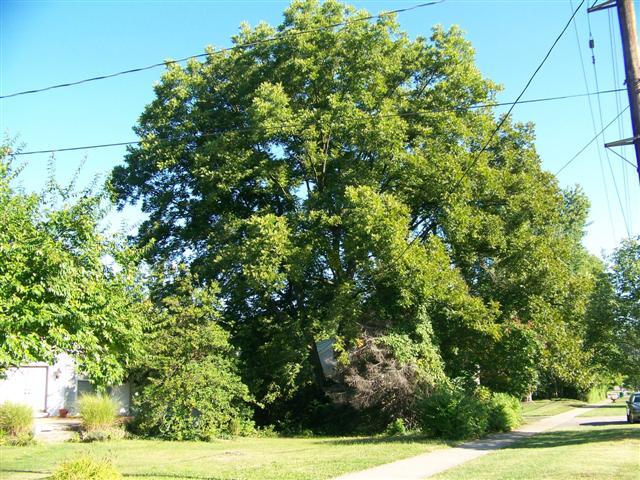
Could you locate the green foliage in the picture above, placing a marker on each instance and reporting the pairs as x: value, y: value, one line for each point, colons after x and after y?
x: 330, y: 185
x: 511, y: 362
x: 98, y: 412
x: 595, y: 394
x: 191, y: 388
x: 625, y: 276
x: 452, y: 413
x: 396, y: 427
x: 65, y: 284
x: 86, y: 468
x: 505, y: 412
x: 16, y: 420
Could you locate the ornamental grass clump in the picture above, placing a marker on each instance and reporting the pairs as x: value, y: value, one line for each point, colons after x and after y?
x: 86, y: 468
x: 16, y: 423
x: 99, y: 418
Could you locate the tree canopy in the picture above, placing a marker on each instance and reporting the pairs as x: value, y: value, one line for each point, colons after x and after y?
x: 332, y: 183
x: 65, y: 286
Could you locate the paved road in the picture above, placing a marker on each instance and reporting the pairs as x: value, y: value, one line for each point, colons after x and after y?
x: 428, y: 464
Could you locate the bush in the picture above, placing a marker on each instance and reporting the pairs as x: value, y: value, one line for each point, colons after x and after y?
x: 86, y: 468
x: 98, y: 412
x: 505, y: 412
x: 452, y: 413
x: 396, y: 427
x: 199, y: 401
x: 16, y: 423
x: 595, y: 394
x: 190, y: 386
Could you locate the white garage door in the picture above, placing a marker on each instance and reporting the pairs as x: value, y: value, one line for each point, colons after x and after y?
x: 25, y: 385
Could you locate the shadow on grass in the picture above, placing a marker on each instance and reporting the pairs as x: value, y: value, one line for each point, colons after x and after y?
x: 576, y: 437
x: 605, y: 407
x: 23, y: 471
x: 603, y: 423
x: 154, y: 475
x: 383, y: 439
x: 171, y: 475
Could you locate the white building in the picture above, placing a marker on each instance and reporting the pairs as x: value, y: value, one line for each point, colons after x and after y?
x: 48, y: 388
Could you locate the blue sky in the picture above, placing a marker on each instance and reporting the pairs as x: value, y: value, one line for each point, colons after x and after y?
x: 44, y: 43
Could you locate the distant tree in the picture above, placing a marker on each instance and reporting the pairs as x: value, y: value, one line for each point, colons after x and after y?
x: 625, y: 274
x: 65, y: 285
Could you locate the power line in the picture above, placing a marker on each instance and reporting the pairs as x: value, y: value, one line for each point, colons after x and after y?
x: 504, y: 118
x: 623, y: 158
x: 614, y: 61
x: 87, y: 147
x: 399, y: 114
x: 591, y: 141
x: 500, y: 124
x: 606, y: 152
x: 286, y: 34
x: 593, y: 117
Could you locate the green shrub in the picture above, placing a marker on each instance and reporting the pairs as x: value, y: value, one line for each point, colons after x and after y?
x: 505, y: 412
x: 452, y: 413
x: 396, y: 427
x: 16, y: 421
x: 98, y: 412
x: 86, y: 468
x: 192, y: 388
x: 20, y: 440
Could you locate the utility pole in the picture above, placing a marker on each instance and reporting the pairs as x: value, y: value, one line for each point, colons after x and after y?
x: 627, y: 19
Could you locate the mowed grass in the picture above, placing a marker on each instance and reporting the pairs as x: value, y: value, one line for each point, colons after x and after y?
x: 242, y: 458
x: 617, y: 409
x: 595, y: 451
x: 538, y: 409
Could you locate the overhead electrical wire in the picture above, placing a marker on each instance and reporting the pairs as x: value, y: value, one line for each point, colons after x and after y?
x: 596, y: 136
x: 280, y: 36
x: 399, y: 114
x: 614, y: 62
x: 505, y: 116
x: 606, y: 152
x: 500, y: 124
x: 635, y: 167
x: 593, y: 117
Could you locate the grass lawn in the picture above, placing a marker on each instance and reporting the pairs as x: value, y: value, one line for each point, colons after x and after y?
x: 599, y: 450
x: 617, y: 409
x: 242, y: 458
x: 532, y: 411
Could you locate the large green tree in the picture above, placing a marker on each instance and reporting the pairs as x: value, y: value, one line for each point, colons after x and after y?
x: 65, y: 285
x: 332, y: 183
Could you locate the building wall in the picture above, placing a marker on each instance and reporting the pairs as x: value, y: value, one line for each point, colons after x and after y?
x: 48, y: 388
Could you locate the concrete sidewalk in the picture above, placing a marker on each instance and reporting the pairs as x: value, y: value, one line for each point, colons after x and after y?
x: 428, y: 464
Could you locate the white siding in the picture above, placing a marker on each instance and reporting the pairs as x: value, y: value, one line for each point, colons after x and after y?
x: 48, y: 388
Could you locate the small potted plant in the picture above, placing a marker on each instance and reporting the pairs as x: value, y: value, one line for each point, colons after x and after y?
x: 63, y: 412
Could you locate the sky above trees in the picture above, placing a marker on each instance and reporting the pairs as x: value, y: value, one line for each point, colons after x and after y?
x: 44, y: 43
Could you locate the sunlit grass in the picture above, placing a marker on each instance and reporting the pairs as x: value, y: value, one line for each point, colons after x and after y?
x: 617, y: 409
x: 242, y: 458
x: 532, y: 411
x: 599, y: 450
